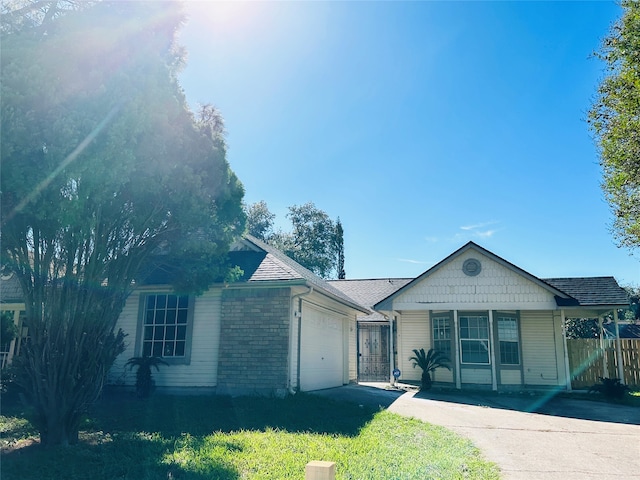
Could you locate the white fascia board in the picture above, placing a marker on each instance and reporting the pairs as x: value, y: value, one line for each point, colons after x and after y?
x: 475, y: 306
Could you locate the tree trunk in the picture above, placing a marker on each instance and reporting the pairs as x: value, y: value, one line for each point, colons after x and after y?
x: 60, y: 429
x: 426, y: 381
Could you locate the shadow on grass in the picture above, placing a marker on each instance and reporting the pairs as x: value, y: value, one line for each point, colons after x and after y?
x: 552, y: 403
x: 104, y: 456
x: 126, y: 437
x: 202, y: 415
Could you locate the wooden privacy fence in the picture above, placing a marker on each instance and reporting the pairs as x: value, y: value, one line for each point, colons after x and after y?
x: 588, y: 361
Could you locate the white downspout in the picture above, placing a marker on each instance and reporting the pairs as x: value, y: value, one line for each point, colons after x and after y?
x: 297, y: 314
x: 567, y: 368
x: 618, y: 347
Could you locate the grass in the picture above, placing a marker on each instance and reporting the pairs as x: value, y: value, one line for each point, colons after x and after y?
x: 197, y: 438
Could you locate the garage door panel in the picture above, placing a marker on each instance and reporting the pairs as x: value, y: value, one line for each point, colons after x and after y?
x: 321, y: 350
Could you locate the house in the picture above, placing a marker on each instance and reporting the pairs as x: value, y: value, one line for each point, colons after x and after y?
x: 374, y: 352
x: 279, y: 329
x: 501, y: 326
x: 11, y: 306
x: 626, y: 330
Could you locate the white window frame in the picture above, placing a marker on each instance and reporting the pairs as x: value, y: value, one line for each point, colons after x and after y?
x: 485, y: 341
x: 147, y: 332
x: 511, y: 318
x: 437, y: 326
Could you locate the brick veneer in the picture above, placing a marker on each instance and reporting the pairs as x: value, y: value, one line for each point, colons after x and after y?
x: 254, y: 341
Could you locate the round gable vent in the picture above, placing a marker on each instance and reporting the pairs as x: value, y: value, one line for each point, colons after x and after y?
x: 471, y: 267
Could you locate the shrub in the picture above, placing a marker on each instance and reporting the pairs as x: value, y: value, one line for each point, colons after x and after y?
x: 144, y: 380
x: 429, y: 362
x: 610, y: 388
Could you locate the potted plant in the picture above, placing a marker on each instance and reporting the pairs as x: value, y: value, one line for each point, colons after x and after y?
x: 144, y: 380
x: 429, y: 362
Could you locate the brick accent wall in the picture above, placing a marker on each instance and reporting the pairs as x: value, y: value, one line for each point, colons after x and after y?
x: 254, y: 341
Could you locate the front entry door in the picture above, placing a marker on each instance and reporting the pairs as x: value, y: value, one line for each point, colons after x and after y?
x: 373, y: 350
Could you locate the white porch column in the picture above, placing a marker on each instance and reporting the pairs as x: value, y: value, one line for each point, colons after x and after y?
x: 492, y: 349
x: 15, y: 343
x: 618, y: 347
x: 605, y: 367
x: 567, y: 368
x: 457, y: 349
x: 392, y: 379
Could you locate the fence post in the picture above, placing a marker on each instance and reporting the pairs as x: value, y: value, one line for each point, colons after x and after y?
x: 320, y: 470
x: 618, y: 347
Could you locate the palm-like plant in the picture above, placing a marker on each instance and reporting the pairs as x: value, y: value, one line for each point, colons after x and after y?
x: 144, y: 380
x: 429, y: 362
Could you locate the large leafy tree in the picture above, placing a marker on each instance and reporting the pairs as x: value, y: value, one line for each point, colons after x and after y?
x: 615, y: 120
x: 107, y: 176
x: 315, y: 241
x: 260, y: 220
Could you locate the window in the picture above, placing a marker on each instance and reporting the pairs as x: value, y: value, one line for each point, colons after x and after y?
x: 165, y: 321
x: 474, y: 339
x: 508, y: 338
x: 442, y: 335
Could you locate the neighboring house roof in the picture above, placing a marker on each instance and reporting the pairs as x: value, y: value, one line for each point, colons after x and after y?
x: 627, y: 330
x: 265, y: 263
x: 369, y: 292
x: 591, y: 291
x: 10, y: 290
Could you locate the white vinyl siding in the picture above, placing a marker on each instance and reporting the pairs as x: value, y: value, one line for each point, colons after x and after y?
x: 478, y: 376
x: 497, y: 287
x: 353, y: 351
x: 202, y: 370
x: 128, y: 322
x: 539, y: 358
x: 510, y: 377
x: 414, y: 332
x: 294, y: 343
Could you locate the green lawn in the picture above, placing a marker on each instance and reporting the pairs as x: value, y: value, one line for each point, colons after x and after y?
x: 197, y: 438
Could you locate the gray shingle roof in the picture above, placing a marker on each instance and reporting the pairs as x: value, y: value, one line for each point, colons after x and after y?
x: 10, y: 290
x: 369, y: 292
x: 591, y: 291
x: 275, y: 265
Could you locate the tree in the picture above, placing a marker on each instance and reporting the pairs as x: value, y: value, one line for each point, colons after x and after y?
x: 339, y: 247
x: 582, y: 328
x: 106, y: 177
x: 18, y: 15
x: 633, y: 313
x: 260, y: 220
x: 315, y: 241
x: 313, y: 238
x: 614, y: 120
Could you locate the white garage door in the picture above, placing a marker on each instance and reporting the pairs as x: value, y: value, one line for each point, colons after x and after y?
x: 321, y: 350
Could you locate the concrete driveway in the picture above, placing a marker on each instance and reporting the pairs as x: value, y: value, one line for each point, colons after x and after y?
x: 528, y: 437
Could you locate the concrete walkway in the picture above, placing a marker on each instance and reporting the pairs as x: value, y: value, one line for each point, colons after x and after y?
x: 564, y: 439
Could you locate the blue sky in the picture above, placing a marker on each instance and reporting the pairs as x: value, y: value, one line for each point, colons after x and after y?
x: 422, y: 125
